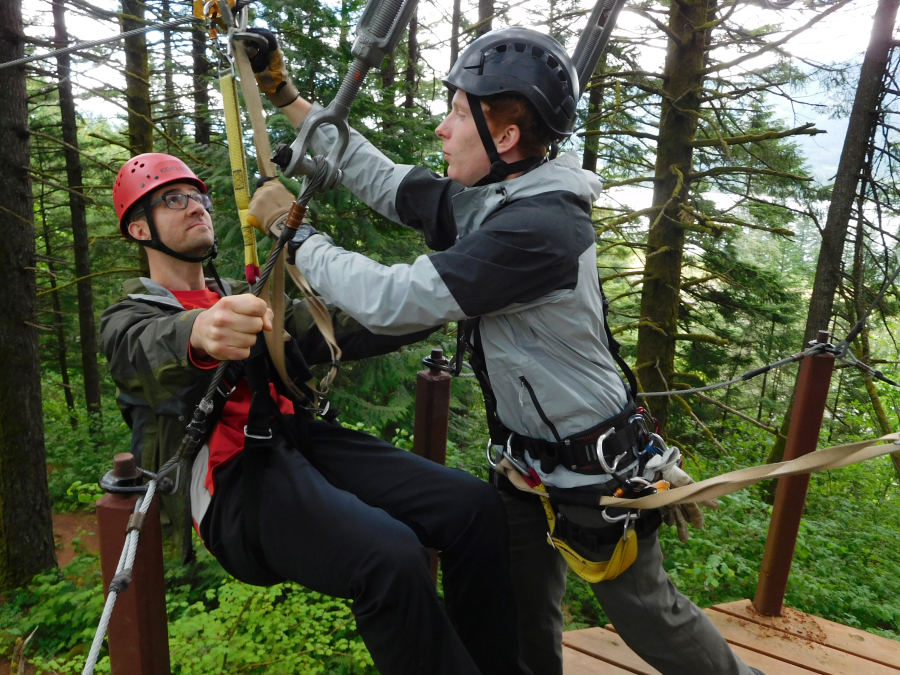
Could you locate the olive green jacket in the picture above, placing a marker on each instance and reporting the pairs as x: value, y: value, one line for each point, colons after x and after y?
x: 146, y: 338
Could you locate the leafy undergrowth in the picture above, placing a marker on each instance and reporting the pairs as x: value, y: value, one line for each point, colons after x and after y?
x: 216, y: 624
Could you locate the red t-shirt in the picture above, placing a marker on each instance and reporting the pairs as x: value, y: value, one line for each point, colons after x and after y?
x: 227, y: 438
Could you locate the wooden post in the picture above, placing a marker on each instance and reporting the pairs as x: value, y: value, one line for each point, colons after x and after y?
x: 432, y: 418
x: 138, y: 632
x: 790, y: 495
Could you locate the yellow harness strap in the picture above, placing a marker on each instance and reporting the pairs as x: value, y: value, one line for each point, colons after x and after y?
x: 590, y: 570
x: 239, y: 173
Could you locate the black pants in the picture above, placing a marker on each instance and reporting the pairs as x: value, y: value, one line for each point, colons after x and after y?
x: 351, y: 516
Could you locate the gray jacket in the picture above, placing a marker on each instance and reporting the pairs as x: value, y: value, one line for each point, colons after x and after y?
x: 520, y: 254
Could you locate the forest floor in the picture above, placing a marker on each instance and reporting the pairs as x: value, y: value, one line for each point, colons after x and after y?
x: 69, y: 527
x: 71, y: 532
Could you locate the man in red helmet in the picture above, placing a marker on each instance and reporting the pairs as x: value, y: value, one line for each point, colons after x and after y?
x: 277, y: 494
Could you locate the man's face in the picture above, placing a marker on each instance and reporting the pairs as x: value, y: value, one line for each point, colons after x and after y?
x: 187, y: 231
x: 467, y: 160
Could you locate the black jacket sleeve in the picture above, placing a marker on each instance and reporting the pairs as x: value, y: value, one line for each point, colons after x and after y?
x: 425, y: 203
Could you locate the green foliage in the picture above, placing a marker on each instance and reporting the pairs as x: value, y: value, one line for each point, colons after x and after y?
x: 64, y: 605
x: 280, y: 629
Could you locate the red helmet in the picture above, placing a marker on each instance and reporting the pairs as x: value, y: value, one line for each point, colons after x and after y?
x: 143, y: 174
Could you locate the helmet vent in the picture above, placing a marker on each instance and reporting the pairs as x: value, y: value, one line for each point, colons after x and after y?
x: 561, y: 75
x: 552, y: 62
x: 520, y: 46
x: 537, y: 52
x: 501, y: 48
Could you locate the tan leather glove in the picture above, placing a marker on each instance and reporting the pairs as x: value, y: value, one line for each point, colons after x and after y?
x: 668, y: 466
x: 269, y: 208
x: 270, y: 69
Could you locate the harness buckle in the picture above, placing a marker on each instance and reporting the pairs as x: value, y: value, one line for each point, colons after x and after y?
x: 247, y: 434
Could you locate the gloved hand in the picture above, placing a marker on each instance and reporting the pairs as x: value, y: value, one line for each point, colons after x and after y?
x: 668, y: 467
x: 270, y: 69
x: 269, y: 207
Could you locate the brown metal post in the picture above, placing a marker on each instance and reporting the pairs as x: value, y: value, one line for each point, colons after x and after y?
x: 790, y: 496
x: 138, y: 633
x: 432, y: 419
x: 432, y: 411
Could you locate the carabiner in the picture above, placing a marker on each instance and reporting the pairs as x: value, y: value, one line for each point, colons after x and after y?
x: 598, y: 450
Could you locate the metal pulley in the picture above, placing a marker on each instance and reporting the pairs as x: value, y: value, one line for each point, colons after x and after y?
x: 377, y: 35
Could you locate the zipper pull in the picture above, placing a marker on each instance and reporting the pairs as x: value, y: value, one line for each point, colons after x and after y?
x: 521, y: 393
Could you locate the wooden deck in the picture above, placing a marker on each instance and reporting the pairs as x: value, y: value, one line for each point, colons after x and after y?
x: 795, y: 644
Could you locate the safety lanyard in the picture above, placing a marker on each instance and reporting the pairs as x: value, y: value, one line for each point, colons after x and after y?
x: 236, y: 59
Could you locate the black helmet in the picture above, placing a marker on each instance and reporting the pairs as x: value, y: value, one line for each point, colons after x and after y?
x: 525, y: 62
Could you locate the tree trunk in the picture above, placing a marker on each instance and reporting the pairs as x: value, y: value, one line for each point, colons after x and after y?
x: 454, y: 41
x: 388, y: 78
x: 137, y: 79
x: 859, y: 306
x: 62, y: 355
x: 171, y: 121
x: 412, y: 61
x: 860, y: 128
x: 81, y: 245
x: 201, y: 88
x: 595, y: 106
x: 26, y: 528
x: 485, y: 14
x: 682, y: 82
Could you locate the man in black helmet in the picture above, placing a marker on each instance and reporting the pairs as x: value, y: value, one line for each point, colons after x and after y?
x: 516, y: 266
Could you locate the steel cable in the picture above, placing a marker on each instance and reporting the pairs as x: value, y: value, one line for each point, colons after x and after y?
x: 96, y: 43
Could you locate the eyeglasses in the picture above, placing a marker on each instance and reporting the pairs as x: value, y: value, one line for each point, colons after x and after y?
x: 179, y: 201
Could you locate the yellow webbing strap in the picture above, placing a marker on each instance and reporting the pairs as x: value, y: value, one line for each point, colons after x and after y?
x: 239, y: 173
x: 592, y: 571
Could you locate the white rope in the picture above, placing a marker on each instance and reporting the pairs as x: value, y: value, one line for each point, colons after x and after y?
x: 123, y: 571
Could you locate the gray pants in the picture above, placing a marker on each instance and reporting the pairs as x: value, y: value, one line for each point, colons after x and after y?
x: 661, y: 625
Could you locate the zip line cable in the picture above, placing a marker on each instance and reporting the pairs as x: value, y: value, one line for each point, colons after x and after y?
x: 96, y: 43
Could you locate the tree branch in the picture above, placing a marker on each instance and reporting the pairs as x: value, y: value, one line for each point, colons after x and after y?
x: 806, y: 129
x: 774, y: 45
x: 727, y: 170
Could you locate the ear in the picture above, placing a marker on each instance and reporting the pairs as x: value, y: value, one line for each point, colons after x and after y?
x: 140, y: 230
x: 508, y: 139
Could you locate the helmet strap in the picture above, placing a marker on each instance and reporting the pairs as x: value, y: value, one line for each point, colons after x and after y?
x: 157, y: 244
x: 500, y: 170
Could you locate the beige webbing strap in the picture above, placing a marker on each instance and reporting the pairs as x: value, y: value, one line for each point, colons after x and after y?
x: 719, y: 486
x: 255, y: 109
x: 319, y: 312
x: 324, y: 323
x: 276, y: 338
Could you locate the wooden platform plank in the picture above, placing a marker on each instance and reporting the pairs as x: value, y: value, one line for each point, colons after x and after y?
x: 769, y: 664
x: 793, y: 649
x: 609, y: 647
x: 847, y: 639
x: 576, y: 663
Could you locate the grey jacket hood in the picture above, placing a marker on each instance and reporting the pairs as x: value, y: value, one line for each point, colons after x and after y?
x: 473, y: 205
